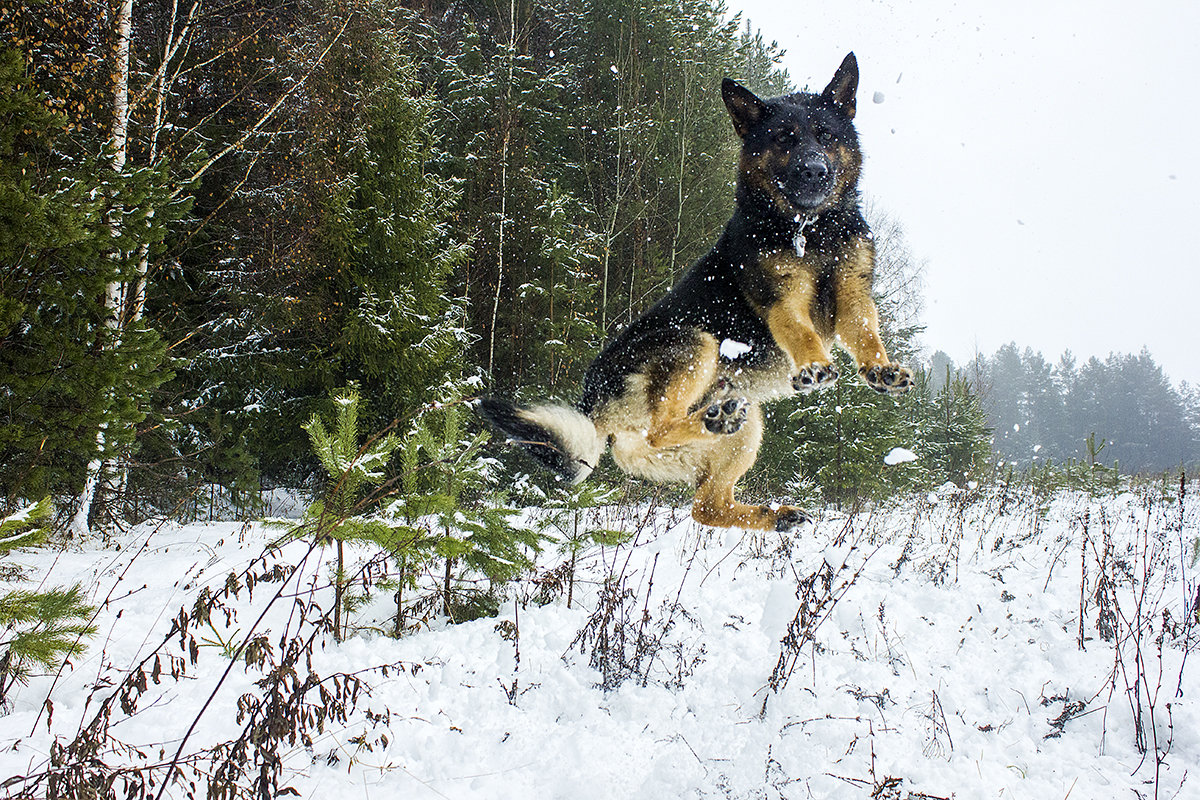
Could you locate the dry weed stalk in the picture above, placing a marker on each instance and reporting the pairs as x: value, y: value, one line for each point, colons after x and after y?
x: 288, y: 706
x: 818, y: 592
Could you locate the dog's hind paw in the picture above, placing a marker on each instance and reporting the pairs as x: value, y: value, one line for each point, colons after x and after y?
x: 816, y: 375
x: 727, y: 416
x: 788, y: 518
x: 887, y: 378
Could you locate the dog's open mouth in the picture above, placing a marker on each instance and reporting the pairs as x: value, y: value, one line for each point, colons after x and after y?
x: 805, y: 197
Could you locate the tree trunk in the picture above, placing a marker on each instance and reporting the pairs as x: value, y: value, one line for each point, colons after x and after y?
x: 446, y: 584
x: 512, y: 54
x: 162, y: 82
x: 113, y: 305
x: 677, y: 235
x: 571, y: 579
x: 398, y: 628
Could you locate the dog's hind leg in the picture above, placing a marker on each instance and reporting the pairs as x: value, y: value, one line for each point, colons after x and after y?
x: 728, y: 461
x: 675, y: 390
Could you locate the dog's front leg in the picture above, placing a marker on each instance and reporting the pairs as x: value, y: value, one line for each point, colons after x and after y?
x: 791, y: 325
x: 857, y: 325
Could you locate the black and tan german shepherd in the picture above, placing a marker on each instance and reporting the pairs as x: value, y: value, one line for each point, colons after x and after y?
x: 677, y: 393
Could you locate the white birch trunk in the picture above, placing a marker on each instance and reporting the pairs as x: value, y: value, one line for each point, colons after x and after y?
x: 125, y: 303
x: 113, y: 305
x: 162, y: 83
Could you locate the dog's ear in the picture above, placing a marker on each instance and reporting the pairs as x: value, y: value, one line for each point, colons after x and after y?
x: 744, y: 106
x: 842, y: 88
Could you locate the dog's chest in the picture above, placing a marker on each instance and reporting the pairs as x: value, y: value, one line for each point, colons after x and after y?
x: 808, y: 280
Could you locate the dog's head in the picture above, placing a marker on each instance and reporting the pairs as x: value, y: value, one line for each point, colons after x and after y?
x: 800, y: 152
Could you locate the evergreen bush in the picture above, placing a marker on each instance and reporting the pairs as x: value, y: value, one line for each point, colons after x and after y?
x: 40, y: 628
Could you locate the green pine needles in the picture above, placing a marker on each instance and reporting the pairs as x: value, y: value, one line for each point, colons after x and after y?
x: 38, y: 629
x: 352, y: 466
x: 448, y: 492
x: 448, y: 539
x: 340, y: 514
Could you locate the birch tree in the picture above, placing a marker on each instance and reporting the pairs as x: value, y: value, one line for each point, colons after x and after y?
x: 125, y: 299
x: 113, y: 296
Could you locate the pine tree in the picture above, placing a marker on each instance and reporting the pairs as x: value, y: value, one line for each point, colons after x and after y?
x: 1007, y: 404
x: 1044, y: 413
x: 1064, y: 376
x: 448, y: 486
x: 1190, y: 396
x: 342, y: 512
x: 659, y: 151
x: 567, y: 506
x: 39, y: 628
x: 506, y: 126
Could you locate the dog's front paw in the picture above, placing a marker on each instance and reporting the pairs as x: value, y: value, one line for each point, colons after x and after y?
x: 727, y: 416
x: 817, y: 375
x: 887, y: 378
x: 789, y: 517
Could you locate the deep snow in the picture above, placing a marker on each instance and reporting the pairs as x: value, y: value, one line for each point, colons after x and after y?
x: 949, y: 662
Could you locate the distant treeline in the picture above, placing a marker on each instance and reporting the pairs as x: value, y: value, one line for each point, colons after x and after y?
x: 1125, y: 405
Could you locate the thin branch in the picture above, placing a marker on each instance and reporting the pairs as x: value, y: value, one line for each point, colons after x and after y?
x: 241, y: 140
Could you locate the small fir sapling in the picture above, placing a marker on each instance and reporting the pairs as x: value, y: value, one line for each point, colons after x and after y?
x: 37, y: 628
x: 447, y: 493
x: 568, y: 506
x: 340, y: 514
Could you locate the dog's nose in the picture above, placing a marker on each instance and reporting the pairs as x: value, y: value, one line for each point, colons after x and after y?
x: 813, y: 168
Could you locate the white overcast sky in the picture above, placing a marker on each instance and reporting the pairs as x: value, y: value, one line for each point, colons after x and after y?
x: 1043, y: 158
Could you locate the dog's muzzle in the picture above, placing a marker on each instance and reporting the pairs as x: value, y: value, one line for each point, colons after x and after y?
x: 810, y: 181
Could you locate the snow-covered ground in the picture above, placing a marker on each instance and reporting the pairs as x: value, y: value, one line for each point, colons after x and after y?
x: 938, y: 656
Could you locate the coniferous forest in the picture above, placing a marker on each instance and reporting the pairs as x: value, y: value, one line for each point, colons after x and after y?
x: 216, y: 218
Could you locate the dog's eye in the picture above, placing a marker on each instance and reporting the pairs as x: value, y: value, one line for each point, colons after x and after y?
x: 824, y: 135
x: 785, y: 137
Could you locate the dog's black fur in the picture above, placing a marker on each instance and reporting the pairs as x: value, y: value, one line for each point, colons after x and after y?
x: 677, y: 393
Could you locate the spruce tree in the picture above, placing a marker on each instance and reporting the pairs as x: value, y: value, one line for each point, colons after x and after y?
x: 328, y: 256
x: 39, y: 628
x: 844, y: 433
x: 955, y: 438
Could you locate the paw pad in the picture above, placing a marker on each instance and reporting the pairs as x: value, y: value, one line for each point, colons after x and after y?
x: 887, y: 378
x: 815, y: 376
x: 727, y: 416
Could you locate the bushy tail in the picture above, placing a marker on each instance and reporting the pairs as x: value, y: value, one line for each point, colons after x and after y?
x: 559, y: 437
